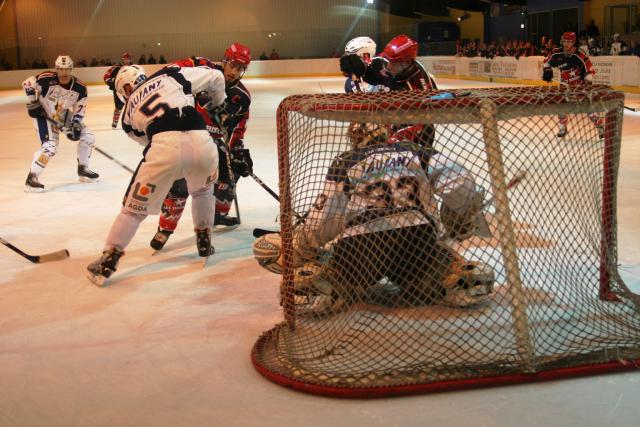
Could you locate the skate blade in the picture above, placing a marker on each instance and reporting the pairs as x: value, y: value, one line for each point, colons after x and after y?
x: 96, y: 279
x: 224, y: 228
x: 85, y: 179
x: 28, y: 189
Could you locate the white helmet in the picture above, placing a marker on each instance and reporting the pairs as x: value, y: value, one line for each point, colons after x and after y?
x: 361, y: 46
x: 64, y: 62
x: 131, y: 75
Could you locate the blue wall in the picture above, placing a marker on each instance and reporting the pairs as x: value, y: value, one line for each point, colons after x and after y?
x: 508, y: 26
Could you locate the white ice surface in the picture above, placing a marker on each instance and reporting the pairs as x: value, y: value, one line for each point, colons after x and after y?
x: 168, y: 343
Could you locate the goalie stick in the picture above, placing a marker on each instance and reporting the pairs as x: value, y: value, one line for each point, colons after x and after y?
x: 517, y: 179
x: 36, y: 259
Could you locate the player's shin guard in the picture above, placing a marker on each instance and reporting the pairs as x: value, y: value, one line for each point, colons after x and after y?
x: 170, y: 214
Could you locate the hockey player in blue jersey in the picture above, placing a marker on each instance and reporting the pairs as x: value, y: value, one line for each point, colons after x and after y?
x: 57, y: 102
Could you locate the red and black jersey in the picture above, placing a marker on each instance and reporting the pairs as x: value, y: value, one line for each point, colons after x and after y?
x: 110, y: 75
x: 415, y: 77
x: 574, y: 67
x: 237, y: 102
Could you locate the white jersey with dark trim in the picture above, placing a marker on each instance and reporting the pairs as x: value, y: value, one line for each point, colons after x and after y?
x: 166, y: 96
x: 61, y: 104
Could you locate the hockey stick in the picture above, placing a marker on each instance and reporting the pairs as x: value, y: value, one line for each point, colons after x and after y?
x: 53, y: 256
x: 98, y: 149
x: 116, y: 161
x: 631, y: 108
x: 265, y: 186
x: 517, y: 179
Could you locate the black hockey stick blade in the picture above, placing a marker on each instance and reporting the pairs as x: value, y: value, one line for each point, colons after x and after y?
x: 259, y: 232
x: 631, y: 108
x: 36, y: 259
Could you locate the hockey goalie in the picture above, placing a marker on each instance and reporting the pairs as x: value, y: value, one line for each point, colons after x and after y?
x: 381, y: 230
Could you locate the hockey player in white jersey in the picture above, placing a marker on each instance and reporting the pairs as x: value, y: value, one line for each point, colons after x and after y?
x: 57, y: 101
x: 160, y: 114
x: 376, y: 230
x: 365, y: 49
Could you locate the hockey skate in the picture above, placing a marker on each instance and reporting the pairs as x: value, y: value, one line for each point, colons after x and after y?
x: 562, y: 131
x: 160, y: 239
x: 468, y: 283
x: 225, y: 222
x: 86, y: 175
x: 32, y: 185
x: 101, y: 269
x: 203, y: 242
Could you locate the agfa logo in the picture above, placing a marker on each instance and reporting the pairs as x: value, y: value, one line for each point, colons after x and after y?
x: 142, y: 191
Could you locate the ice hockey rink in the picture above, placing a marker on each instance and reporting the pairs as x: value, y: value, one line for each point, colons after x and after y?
x: 168, y: 342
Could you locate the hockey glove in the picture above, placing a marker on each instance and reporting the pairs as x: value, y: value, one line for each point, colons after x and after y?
x: 74, y: 132
x: 547, y: 74
x: 376, y: 72
x: 351, y: 65
x: 35, y: 110
x: 241, y: 162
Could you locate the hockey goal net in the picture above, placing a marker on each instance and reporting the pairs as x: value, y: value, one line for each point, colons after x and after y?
x: 360, y: 322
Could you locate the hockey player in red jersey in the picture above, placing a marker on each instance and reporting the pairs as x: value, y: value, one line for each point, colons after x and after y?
x: 57, y: 102
x: 109, y: 78
x: 232, y: 124
x: 575, y: 70
x: 396, y: 69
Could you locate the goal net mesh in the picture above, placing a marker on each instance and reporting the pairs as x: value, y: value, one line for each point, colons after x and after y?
x: 394, y: 299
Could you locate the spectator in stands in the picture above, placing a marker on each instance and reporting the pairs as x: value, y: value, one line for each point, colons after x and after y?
x: 593, y: 30
x: 142, y: 60
x: 584, y: 45
x: 618, y: 46
x: 162, y: 60
x: 594, y: 48
x: 94, y: 62
x: 274, y: 55
x: 82, y: 63
x: 152, y: 59
x: 263, y: 56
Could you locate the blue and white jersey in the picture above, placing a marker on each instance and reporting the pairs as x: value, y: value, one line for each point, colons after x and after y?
x: 166, y: 101
x: 62, y: 104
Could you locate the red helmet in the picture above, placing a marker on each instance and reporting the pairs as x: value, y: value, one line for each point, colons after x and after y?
x: 400, y: 48
x: 238, y: 53
x: 568, y: 36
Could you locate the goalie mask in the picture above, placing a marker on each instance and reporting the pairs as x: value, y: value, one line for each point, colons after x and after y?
x: 130, y: 75
x: 364, y: 134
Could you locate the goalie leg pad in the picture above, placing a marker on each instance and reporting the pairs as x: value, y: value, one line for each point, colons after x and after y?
x: 267, y: 250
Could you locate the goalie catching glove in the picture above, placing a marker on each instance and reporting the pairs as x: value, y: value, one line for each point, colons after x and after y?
x: 461, y: 214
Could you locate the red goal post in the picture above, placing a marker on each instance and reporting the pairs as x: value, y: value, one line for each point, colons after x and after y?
x: 558, y: 308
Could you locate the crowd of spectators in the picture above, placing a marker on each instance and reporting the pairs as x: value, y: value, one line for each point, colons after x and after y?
x: 589, y: 42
